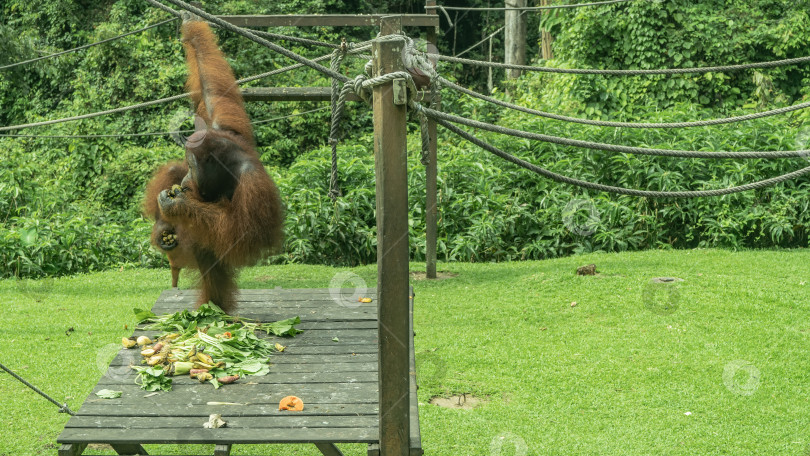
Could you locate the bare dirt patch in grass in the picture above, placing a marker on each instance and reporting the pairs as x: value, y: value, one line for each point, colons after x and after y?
x: 459, y: 401
x: 440, y: 275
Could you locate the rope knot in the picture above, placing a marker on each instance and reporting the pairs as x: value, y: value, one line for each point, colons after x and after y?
x: 417, y: 62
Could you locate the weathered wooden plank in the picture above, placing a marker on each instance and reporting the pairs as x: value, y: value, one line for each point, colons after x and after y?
x: 333, y: 362
x: 274, y: 305
x: 312, y: 315
x: 170, y: 409
x: 325, y: 325
x: 309, y: 337
x: 220, y: 436
x: 350, y: 301
x: 331, y: 353
x: 296, y: 94
x: 290, y: 420
x: 336, y: 349
x: 192, y: 394
x: 281, y: 292
x: 259, y: 301
x: 291, y: 94
x: 275, y: 378
x: 328, y: 20
x: 326, y: 360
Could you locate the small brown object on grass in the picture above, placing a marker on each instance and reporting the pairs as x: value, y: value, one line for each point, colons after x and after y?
x: 589, y: 269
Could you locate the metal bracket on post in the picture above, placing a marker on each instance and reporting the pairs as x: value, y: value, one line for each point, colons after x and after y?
x: 400, y: 92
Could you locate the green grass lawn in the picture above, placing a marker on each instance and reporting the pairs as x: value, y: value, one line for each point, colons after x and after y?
x: 715, y: 364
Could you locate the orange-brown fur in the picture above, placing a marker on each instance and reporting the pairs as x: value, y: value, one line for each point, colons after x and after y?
x: 242, y: 222
x: 181, y: 256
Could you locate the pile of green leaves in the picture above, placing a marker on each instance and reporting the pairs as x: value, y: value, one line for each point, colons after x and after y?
x: 234, y: 343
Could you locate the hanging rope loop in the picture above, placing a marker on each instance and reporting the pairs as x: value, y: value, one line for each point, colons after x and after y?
x: 338, y: 102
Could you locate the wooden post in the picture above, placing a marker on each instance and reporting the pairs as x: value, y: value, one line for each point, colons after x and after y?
x: 431, y: 173
x: 490, y: 83
x: 71, y: 449
x: 390, y: 156
x: 515, y: 37
x: 547, y: 39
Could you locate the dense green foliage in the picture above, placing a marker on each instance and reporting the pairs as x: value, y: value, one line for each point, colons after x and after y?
x: 677, y: 34
x: 73, y: 204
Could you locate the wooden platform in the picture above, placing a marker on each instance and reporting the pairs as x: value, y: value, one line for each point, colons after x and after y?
x: 332, y: 366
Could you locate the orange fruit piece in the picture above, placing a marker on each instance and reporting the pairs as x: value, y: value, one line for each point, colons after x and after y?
x: 291, y: 403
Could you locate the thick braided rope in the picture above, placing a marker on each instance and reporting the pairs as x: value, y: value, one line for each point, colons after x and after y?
x: 369, y: 83
x: 156, y: 133
x: 251, y: 36
x: 423, y: 122
x: 716, y: 69
x: 424, y: 156
x: 96, y: 114
x: 438, y: 115
x: 161, y: 100
x: 168, y: 9
x: 172, y: 98
x: 619, y: 190
x: 338, y: 101
x: 63, y: 408
x: 275, y: 36
x: 602, y: 123
x: 5, y: 67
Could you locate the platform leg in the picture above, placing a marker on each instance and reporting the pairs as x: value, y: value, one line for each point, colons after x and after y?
x: 128, y: 448
x: 222, y: 450
x: 373, y: 449
x: 72, y: 449
x: 328, y: 449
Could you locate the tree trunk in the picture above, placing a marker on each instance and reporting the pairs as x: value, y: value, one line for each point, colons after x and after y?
x: 515, y: 34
